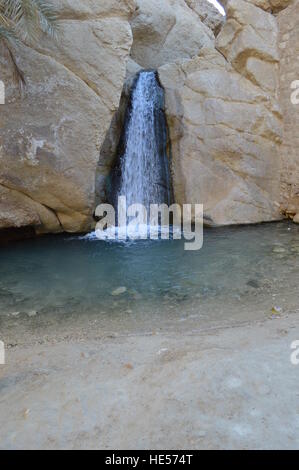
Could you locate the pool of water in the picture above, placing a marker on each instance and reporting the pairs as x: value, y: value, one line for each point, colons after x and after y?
x: 63, y: 282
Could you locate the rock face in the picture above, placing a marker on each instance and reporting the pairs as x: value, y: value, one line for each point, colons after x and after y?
x: 289, y: 74
x: 225, y: 123
x: 165, y: 31
x: 208, y: 14
x: 221, y: 79
x: 272, y: 6
x: 51, y: 138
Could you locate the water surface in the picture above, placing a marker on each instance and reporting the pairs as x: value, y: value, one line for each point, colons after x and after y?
x: 240, y: 275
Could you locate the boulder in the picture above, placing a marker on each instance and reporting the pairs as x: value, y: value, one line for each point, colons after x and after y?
x: 165, y: 31
x: 248, y: 40
x: 208, y: 14
x: 272, y: 6
x: 225, y: 133
x: 50, y: 138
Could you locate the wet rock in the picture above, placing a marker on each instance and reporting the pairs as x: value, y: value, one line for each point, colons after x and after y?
x: 253, y: 283
x: 32, y: 313
x: 15, y: 314
x: 279, y: 250
x: 119, y: 291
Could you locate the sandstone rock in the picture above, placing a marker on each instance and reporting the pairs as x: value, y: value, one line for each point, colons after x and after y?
x: 86, y: 9
x: 279, y: 250
x: 225, y: 134
x: 273, y: 6
x: 32, y: 313
x: 50, y: 140
x: 119, y: 291
x: 167, y: 30
x: 18, y: 210
x: 57, y: 143
x: 288, y: 21
x: 296, y: 219
x: 248, y: 40
x: 208, y: 14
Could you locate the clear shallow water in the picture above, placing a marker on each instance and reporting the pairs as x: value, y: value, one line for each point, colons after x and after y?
x: 240, y: 275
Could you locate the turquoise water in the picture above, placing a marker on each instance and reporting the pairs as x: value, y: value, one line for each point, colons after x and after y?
x: 240, y: 274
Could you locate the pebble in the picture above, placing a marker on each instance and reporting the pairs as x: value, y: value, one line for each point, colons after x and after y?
x: 32, y: 313
x: 119, y: 291
x: 162, y: 351
x: 253, y: 283
x: 279, y: 249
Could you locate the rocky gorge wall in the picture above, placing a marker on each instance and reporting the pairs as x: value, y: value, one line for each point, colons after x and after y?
x: 225, y: 122
x: 221, y: 80
x: 288, y: 21
x: 50, y: 138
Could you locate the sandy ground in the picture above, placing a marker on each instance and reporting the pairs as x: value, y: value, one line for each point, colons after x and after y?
x: 231, y: 388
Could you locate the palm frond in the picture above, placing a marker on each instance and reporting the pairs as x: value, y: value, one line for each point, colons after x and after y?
x: 24, y: 20
x: 48, y: 18
x: 8, y: 39
x: 31, y: 18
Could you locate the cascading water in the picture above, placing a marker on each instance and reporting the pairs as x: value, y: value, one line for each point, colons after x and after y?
x: 144, y: 165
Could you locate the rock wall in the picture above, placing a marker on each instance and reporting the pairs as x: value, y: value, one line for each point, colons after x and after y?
x: 164, y: 31
x: 167, y: 30
x: 222, y: 102
x: 289, y: 72
x: 50, y: 138
x: 225, y: 122
x: 58, y: 141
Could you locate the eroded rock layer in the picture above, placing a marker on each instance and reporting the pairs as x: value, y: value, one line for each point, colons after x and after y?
x: 50, y: 138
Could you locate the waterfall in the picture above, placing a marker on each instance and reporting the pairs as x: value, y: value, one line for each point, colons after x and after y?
x: 144, y: 165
